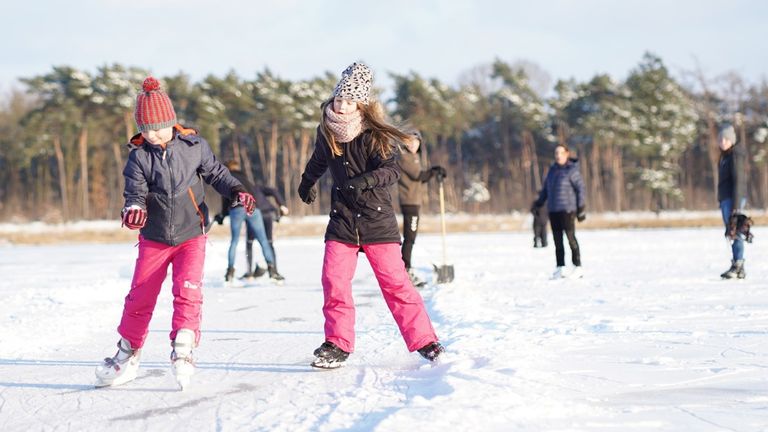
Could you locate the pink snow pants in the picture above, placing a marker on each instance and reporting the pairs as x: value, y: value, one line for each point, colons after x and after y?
x: 403, y: 300
x: 148, y: 276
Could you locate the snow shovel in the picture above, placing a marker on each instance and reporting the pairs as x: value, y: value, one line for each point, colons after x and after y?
x: 445, y: 271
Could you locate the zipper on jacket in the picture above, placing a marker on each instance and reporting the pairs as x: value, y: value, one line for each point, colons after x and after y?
x: 171, y: 198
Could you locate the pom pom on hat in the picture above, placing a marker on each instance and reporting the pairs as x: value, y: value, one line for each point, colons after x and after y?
x: 151, y: 84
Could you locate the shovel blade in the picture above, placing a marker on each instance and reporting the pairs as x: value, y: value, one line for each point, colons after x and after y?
x: 444, y: 273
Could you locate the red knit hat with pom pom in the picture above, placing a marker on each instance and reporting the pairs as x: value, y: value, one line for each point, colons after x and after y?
x: 153, y: 107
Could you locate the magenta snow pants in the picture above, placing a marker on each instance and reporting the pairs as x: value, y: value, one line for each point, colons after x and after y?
x: 403, y: 300
x: 148, y: 276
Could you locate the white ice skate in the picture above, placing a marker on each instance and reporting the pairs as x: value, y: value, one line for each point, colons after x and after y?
x: 559, y: 273
x: 119, y: 369
x: 182, y: 362
x: 577, y: 273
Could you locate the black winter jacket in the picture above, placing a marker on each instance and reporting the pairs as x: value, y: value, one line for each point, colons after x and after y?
x: 168, y: 183
x: 732, y: 179
x: 265, y: 204
x: 371, y: 219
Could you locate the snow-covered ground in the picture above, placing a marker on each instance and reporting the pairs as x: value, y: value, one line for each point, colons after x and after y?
x: 649, y: 340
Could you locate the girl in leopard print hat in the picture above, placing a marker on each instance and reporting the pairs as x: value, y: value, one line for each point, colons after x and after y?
x: 357, y: 144
x: 355, y: 84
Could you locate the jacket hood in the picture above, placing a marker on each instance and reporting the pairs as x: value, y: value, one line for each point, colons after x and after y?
x: 571, y: 161
x: 189, y: 135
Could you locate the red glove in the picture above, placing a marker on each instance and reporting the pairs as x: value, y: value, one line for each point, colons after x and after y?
x: 246, y: 200
x: 134, y: 218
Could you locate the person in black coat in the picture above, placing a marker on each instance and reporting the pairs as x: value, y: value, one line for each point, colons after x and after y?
x: 732, y: 195
x: 358, y: 146
x: 563, y: 191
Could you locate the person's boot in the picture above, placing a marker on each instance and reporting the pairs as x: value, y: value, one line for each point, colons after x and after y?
x: 577, y: 273
x: 259, y: 271
x: 415, y: 280
x: 182, y: 361
x: 559, y: 273
x: 230, y: 274
x: 729, y: 274
x: 431, y: 351
x: 329, y: 356
x: 736, y: 270
x: 120, y: 368
x: 273, y: 274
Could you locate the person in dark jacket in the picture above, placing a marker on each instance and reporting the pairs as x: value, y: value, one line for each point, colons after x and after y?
x: 357, y: 145
x: 732, y: 195
x: 563, y: 192
x: 164, y: 199
x: 540, y: 219
x: 255, y: 230
x: 409, y: 193
x: 271, y: 215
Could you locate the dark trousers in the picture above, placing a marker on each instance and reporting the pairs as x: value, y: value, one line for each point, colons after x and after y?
x: 268, y: 221
x: 410, y: 229
x: 565, y: 222
x: 540, y: 219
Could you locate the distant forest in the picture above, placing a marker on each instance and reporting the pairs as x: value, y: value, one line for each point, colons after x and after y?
x: 645, y: 143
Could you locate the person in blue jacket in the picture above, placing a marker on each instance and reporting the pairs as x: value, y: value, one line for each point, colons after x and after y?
x: 563, y: 191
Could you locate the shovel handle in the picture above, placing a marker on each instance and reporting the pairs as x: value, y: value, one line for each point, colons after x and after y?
x: 442, y: 218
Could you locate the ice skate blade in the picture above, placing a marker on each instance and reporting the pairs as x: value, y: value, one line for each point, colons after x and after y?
x: 118, y: 381
x: 327, y: 365
x: 182, y: 372
x: 183, y: 382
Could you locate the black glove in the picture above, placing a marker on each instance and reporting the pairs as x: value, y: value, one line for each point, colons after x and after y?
x: 581, y: 214
x: 534, y: 208
x: 354, y: 187
x: 219, y: 218
x: 438, y: 172
x: 307, y: 192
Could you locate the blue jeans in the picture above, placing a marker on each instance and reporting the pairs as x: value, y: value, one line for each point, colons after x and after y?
x: 255, y: 225
x: 737, y: 247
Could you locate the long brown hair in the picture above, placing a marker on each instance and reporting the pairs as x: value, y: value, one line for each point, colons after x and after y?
x: 384, y: 135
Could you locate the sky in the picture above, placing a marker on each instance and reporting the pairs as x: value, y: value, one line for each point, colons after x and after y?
x: 441, y: 39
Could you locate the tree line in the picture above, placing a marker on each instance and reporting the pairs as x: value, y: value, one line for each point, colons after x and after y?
x: 647, y: 142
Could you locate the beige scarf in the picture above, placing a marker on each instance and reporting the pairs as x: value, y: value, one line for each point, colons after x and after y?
x: 344, y: 127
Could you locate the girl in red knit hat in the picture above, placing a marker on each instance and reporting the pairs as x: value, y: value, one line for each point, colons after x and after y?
x: 357, y: 145
x: 164, y: 200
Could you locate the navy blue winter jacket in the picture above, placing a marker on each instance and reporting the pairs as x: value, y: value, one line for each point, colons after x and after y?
x: 168, y: 183
x: 563, y: 188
